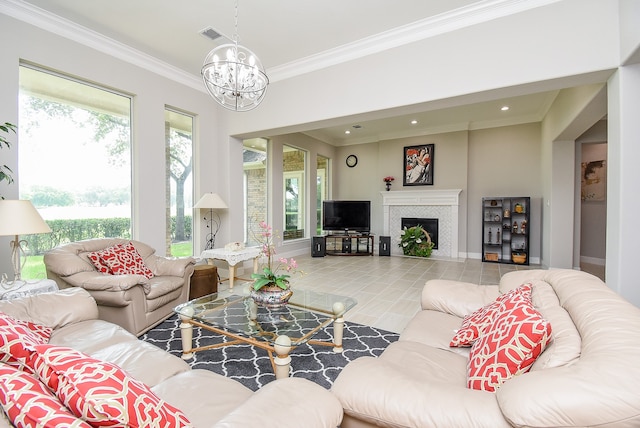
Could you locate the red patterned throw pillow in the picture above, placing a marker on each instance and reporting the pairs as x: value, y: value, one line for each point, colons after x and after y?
x: 18, y: 339
x: 101, y: 393
x: 474, y: 325
x: 517, y: 336
x: 124, y: 259
x: 94, y: 257
x: 29, y: 403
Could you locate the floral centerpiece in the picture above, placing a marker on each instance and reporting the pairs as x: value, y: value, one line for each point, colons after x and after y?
x: 388, y: 179
x: 415, y: 241
x: 271, y: 287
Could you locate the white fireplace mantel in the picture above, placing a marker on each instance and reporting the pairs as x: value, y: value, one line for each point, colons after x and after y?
x: 433, y: 197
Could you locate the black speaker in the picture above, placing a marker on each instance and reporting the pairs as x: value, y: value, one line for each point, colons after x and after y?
x: 384, y: 248
x: 346, y: 245
x: 318, y: 246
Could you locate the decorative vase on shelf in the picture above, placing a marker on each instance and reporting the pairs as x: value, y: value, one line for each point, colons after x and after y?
x: 388, y: 186
x: 271, y: 296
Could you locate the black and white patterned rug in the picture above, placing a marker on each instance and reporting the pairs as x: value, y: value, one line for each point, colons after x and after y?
x: 251, y: 366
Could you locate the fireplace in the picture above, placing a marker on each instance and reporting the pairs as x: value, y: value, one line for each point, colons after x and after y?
x: 428, y: 224
x: 439, y: 204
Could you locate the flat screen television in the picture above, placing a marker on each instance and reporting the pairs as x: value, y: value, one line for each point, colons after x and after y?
x: 346, y: 216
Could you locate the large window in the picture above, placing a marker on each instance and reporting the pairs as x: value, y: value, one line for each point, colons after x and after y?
x: 74, y: 160
x: 179, y: 150
x: 255, y: 186
x: 294, y: 167
x: 322, y: 191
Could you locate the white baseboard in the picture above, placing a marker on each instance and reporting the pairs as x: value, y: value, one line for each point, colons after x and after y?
x: 593, y: 261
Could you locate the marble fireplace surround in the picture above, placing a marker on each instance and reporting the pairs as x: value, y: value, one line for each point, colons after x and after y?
x: 435, y: 203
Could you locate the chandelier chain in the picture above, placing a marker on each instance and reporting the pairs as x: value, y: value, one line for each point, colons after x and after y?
x: 235, y: 34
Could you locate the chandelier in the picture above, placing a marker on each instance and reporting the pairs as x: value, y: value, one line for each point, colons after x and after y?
x: 234, y: 76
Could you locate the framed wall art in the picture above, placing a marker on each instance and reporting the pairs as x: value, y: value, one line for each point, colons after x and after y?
x: 593, y: 180
x: 418, y: 165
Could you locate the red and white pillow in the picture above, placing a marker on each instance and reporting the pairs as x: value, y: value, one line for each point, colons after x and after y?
x: 475, y: 324
x: 120, y: 259
x: 101, y: 393
x: 511, y: 344
x: 29, y: 403
x: 94, y: 257
x: 18, y: 340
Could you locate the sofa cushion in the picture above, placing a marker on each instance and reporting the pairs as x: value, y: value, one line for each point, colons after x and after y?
x: 29, y: 403
x: 124, y: 259
x: 111, y: 343
x: 18, y: 339
x: 440, y: 337
x: 475, y: 324
x: 566, y: 346
x: 509, y: 347
x: 101, y: 393
x: 210, y: 407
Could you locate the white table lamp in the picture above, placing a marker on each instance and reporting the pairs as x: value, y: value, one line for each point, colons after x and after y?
x: 211, y: 201
x: 18, y: 217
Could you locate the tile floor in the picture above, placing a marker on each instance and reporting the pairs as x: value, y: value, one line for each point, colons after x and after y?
x: 387, y: 288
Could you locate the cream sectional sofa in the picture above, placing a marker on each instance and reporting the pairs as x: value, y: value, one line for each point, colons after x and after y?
x: 206, y: 398
x: 588, y: 376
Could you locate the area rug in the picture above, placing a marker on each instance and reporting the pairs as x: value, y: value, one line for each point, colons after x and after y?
x: 251, y: 366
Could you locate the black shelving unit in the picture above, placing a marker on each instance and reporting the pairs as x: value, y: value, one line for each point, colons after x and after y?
x: 505, y: 229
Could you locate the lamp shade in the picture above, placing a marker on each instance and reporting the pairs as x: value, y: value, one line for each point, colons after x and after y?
x: 20, y: 217
x: 210, y: 201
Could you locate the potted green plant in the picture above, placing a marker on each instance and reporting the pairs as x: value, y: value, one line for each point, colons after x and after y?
x: 5, y: 171
x: 271, y: 287
x: 415, y: 241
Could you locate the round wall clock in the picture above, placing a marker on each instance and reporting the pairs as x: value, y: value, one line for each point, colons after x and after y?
x: 352, y: 161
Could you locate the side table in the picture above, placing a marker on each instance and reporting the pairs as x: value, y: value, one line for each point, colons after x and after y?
x: 203, y: 281
x: 233, y: 258
x: 27, y: 288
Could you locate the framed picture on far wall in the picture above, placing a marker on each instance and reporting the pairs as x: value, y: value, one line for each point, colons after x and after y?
x: 418, y: 165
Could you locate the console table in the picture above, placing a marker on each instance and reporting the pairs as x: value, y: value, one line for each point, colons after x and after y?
x: 349, y: 245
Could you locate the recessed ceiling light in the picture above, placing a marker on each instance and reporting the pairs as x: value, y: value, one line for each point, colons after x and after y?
x: 347, y: 132
x: 413, y: 122
x: 504, y: 108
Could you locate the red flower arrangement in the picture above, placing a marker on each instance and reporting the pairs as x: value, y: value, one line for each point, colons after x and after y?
x: 388, y: 179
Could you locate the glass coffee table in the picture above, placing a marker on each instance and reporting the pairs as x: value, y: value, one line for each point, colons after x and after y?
x: 278, y: 330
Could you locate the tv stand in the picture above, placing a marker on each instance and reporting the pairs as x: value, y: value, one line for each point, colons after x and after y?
x: 349, y: 244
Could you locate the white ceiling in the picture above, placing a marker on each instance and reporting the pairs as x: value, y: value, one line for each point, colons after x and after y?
x: 288, y: 33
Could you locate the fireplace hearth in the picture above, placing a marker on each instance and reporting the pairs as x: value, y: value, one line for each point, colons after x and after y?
x: 428, y: 224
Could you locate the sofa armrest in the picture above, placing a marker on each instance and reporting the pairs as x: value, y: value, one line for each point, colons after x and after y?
x: 162, y: 266
x: 455, y: 297
x: 54, y: 310
x: 378, y: 392
x: 293, y: 402
x: 96, y: 281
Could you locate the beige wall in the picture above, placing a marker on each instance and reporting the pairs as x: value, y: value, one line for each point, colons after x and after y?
x: 504, y: 161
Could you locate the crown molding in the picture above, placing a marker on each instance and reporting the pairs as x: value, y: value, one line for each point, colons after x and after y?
x: 70, y: 30
x: 476, y: 13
